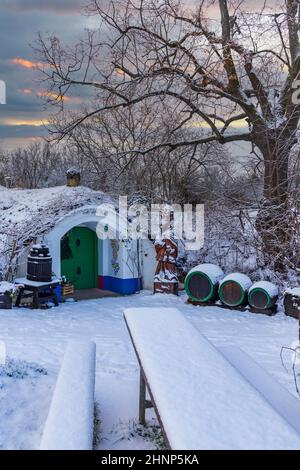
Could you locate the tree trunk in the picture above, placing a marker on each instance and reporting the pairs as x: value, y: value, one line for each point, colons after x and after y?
x: 273, y: 219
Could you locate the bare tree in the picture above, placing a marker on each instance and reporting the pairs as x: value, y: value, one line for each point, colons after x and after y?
x: 3, y: 159
x: 107, y: 145
x: 237, y: 67
x: 30, y: 167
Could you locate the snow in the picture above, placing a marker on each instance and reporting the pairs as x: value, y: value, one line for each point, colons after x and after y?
x: 70, y: 422
x: 27, y: 282
x: 39, y: 246
x: 267, y: 286
x: 25, y: 393
x: 166, y: 277
x: 213, y: 271
x: 277, y: 396
x: 295, y: 291
x: 41, y: 337
x: 200, y: 401
x: 243, y: 280
x: 73, y: 171
x: 6, y: 287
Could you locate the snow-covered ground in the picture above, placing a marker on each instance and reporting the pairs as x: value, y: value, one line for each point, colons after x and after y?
x: 36, y: 340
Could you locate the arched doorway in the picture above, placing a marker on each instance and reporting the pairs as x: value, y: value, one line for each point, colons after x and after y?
x: 79, y: 257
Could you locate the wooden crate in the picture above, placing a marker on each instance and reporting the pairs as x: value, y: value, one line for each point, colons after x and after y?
x: 166, y: 288
x: 67, y: 289
x: 292, y: 305
x: 5, y: 302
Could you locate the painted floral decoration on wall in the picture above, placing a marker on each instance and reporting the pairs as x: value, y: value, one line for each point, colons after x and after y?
x: 115, y: 246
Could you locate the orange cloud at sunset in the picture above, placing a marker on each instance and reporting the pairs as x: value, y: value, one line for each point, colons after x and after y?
x: 24, y: 122
x: 27, y: 64
x: 54, y: 96
x: 120, y: 73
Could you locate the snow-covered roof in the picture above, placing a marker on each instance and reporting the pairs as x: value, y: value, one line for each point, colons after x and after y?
x: 27, y: 214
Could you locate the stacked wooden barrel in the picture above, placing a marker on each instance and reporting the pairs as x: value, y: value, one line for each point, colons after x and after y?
x: 202, y: 282
x: 39, y: 264
x: 233, y: 290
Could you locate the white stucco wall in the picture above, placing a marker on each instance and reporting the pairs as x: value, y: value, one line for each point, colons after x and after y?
x: 148, y: 263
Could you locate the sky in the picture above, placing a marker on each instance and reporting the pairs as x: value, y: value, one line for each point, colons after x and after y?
x: 24, y: 118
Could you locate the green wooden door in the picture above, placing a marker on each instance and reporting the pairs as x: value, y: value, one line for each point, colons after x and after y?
x: 79, y: 257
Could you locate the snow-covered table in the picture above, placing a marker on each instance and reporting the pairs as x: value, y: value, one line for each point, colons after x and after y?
x: 201, y: 400
x: 36, y: 288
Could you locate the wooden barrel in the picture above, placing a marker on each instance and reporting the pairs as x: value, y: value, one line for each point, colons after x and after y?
x: 234, y: 289
x: 263, y: 295
x: 39, y: 264
x: 202, y: 282
x: 292, y: 303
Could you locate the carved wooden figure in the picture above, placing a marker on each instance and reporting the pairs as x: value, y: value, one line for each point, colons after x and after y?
x: 165, y: 279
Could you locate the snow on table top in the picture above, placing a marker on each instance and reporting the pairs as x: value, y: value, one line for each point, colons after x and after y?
x: 243, y: 280
x: 204, y: 403
x: 267, y: 286
x: 213, y: 271
x: 27, y: 282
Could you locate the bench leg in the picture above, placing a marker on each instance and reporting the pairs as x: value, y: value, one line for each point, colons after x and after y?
x: 36, y: 299
x: 142, y: 405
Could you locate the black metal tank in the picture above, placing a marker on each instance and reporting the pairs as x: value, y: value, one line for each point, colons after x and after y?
x: 39, y: 265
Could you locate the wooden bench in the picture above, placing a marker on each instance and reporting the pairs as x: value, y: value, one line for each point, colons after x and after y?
x: 200, y: 399
x: 70, y: 421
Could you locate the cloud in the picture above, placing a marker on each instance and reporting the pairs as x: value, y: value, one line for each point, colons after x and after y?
x: 27, y: 64
x: 25, y: 91
x: 24, y: 122
x: 11, y: 132
x: 54, y: 6
x: 53, y: 96
x: 12, y: 143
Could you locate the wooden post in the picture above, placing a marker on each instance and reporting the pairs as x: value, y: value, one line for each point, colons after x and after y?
x: 142, y: 402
